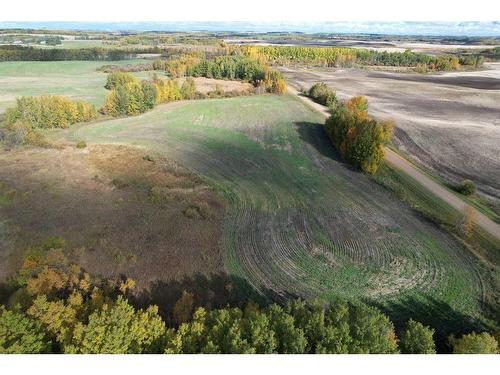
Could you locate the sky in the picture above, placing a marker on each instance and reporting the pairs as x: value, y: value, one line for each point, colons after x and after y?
x: 249, y: 10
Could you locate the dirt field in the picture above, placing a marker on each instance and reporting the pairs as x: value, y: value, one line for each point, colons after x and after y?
x: 450, y: 123
x: 121, y: 211
x: 205, y: 85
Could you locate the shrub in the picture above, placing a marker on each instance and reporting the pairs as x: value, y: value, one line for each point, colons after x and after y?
x: 467, y: 222
x: 467, y: 187
x: 22, y: 133
x: 358, y: 105
x: 159, y: 195
x: 167, y: 90
x: 81, y: 144
x: 322, y: 94
x: 188, y: 89
x: 197, y: 211
x: 149, y: 96
x: 275, y: 83
x: 118, y: 79
x: 219, y: 91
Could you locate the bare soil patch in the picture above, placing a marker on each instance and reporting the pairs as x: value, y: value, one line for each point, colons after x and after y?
x: 449, y: 123
x: 205, y: 85
x: 121, y: 210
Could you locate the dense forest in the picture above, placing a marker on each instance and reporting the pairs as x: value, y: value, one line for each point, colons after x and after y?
x: 280, y: 55
x: 21, y: 53
x: 54, y: 306
x: 347, y: 57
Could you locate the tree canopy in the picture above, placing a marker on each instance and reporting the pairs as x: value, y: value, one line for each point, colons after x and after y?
x: 65, y: 310
x: 417, y: 339
x: 359, y: 139
x: 474, y: 343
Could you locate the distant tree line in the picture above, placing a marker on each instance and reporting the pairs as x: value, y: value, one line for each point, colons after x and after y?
x: 20, y: 53
x: 489, y: 53
x: 192, y: 39
x: 359, y: 139
x: 347, y: 57
x: 54, y: 306
x: 50, y: 40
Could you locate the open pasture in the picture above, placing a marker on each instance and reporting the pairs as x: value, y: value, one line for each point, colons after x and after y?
x: 78, y: 80
x: 299, y: 222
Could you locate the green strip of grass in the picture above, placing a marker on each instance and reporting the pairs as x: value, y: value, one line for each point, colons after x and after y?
x: 475, y: 202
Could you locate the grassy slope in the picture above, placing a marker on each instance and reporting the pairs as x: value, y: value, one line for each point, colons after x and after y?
x: 301, y: 222
x: 75, y: 79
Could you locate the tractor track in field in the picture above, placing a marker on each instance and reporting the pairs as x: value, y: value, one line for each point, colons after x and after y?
x: 299, y: 222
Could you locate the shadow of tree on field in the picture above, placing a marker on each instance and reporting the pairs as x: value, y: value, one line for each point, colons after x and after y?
x: 222, y: 290
x: 314, y: 134
x: 212, y: 292
x: 6, y: 290
x: 435, y: 313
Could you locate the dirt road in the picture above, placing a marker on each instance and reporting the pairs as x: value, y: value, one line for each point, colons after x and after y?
x: 448, y: 123
x: 398, y: 162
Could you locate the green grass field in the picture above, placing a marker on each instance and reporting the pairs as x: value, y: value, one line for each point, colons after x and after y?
x: 302, y: 223
x: 75, y: 79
